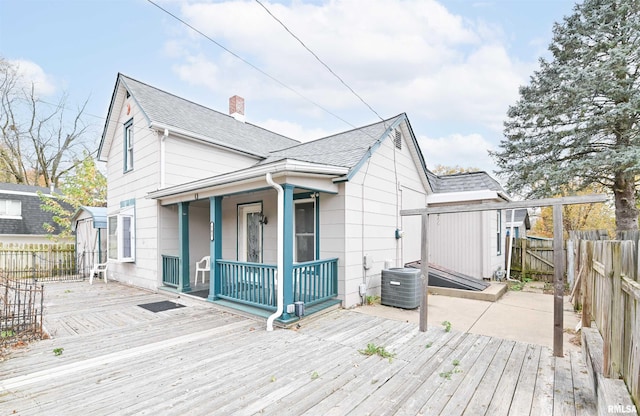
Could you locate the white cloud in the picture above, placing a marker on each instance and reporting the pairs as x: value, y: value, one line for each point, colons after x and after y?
x: 412, y: 55
x: 466, y: 151
x: 31, y: 73
x: 293, y: 130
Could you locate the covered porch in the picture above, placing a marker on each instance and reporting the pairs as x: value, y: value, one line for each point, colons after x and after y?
x: 236, y: 225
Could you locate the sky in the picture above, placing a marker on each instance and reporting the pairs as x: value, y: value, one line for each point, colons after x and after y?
x: 453, y: 66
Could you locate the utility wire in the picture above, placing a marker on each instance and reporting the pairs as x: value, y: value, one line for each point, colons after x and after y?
x: 318, y: 59
x: 250, y: 64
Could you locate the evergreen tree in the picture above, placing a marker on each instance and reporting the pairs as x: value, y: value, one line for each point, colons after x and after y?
x: 578, y: 120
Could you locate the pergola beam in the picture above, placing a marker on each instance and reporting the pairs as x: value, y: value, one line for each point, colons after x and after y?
x: 556, y: 203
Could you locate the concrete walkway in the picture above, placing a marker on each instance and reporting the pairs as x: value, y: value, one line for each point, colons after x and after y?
x: 524, y: 316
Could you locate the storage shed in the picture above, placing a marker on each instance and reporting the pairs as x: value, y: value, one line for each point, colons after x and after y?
x: 90, y: 226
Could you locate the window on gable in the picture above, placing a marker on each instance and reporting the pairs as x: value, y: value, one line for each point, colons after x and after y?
x: 121, y: 241
x: 398, y: 140
x: 10, y: 208
x: 128, y: 146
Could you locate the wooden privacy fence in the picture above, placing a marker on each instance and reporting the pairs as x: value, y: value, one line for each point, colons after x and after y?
x: 610, y: 293
x: 41, y: 262
x: 532, y: 258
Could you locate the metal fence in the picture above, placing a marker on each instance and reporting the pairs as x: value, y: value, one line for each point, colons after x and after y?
x: 21, y: 305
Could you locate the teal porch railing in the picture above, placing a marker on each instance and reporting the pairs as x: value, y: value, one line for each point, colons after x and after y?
x: 315, y: 281
x: 250, y: 283
x: 170, y: 270
x: 254, y: 283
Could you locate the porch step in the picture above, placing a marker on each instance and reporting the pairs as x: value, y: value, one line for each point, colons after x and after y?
x: 261, y: 314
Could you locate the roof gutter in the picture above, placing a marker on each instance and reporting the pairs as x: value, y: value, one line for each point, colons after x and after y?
x: 253, y: 172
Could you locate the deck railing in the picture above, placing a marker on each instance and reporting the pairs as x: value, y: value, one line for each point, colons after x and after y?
x: 170, y: 270
x: 254, y: 283
x: 315, y: 281
x: 250, y: 283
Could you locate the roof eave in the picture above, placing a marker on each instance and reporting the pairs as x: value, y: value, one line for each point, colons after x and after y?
x: 285, y: 166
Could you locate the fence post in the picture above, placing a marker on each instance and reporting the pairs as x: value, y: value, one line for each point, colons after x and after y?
x: 33, y: 264
x: 571, y: 266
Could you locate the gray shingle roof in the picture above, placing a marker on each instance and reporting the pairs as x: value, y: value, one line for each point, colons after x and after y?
x: 463, y: 182
x: 521, y: 215
x: 33, y: 217
x: 168, y: 109
x: 344, y: 149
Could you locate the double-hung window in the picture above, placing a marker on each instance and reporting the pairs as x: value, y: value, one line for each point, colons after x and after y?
x: 121, y: 241
x: 128, y: 146
x: 11, y: 209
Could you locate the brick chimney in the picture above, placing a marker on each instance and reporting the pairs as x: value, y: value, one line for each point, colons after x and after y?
x: 236, y: 108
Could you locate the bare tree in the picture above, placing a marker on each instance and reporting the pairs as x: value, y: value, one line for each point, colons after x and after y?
x: 38, y: 141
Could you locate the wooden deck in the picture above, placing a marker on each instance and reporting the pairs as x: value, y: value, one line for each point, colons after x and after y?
x: 119, y: 358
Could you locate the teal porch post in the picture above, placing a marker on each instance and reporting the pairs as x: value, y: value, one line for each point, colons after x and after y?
x: 287, y: 269
x: 183, y: 246
x: 215, y: 235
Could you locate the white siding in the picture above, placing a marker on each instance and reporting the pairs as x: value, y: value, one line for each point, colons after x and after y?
x: 373, y: 202
x: 135, y: 184
x: 188, y: 160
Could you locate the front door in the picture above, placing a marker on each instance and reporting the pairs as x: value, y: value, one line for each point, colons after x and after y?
x: 250, y: 233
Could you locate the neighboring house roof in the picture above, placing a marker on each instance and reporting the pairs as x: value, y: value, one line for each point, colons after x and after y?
x: 520, y: 217
x: 98, y: 214
x: 164, y: 110
x: 467, y: 186
x: 32, y: 216
x: 463, y: 182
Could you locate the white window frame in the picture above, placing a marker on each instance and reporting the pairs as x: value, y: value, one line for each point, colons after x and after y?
x: 116, y: 235
x: 11, y: 209
x: 128, y: 146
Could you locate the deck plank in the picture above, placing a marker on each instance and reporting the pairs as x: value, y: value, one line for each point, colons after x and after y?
x: 121, y: 359
x: 525, y: 387
x: 542, y: 403
x: 563, y: 401
x: 472, y: 380
x: 479, y: 402
x: 583, y: 393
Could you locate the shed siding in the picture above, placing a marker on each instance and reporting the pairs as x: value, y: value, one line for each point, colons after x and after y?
x: 466, y: 242
x: 373, y: 203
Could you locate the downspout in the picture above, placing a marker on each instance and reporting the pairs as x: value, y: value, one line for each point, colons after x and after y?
x: 509, y: 254
x: 280, y: 254
x: 162, y: 157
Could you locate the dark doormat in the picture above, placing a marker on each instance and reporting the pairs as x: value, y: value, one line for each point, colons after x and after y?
x: 164, y: 305
x: 200, y: 293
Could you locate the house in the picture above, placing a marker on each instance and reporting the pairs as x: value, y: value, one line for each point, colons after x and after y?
x: 89, y: 225
x: 472, y: 243
x: 21, y: 215
x: 186, y: 182
x: 518, y: 219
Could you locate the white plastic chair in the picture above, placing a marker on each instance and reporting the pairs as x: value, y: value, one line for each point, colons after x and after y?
x: 204, y: 265
x: 96, y: 270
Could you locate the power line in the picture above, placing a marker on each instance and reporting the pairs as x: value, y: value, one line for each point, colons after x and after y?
x: 250, y: 64
x: 318, y: 59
